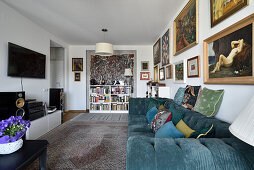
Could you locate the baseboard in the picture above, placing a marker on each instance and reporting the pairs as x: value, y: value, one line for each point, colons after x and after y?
x: 77, y: 111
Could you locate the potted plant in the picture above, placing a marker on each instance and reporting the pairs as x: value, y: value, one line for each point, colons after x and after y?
x: 11, y: 132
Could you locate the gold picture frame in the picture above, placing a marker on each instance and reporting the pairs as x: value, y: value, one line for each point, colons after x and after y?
x: 193, y: 67
x: 77, y: 64
x: 156, y: 74
x: 157, y: 52
x: 169, y: 71
x: 77, y: 76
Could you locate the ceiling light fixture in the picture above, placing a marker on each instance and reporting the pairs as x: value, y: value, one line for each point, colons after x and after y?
x: 104, y: 49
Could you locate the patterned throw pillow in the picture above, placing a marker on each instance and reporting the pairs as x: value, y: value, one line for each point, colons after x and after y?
x: 159, y: 120
x: 209, y: 102
x: 190, y: 96
x: 179, y: 95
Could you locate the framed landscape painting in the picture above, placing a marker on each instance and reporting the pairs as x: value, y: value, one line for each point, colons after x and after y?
x: 179, y: 72
x: 157, y: 52
x: 221, y: 9
x: 193, y: 67
x: 169, y: 71
x: 228, y: 55
x: 186, y: 27
x: 165, y: 48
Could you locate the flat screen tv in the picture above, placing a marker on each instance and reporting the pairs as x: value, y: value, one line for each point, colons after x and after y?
x: 23, y: 62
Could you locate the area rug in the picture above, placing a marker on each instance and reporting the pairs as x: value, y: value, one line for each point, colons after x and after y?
x: 111, y: 117
x: 79, y: 144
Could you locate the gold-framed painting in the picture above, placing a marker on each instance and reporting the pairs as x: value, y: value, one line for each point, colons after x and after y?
x: 165, y: 48
x: 77, y: 76
x: 179, y: 72
x: 77, y: 64
x: 156, y: 73
x: 228, y: 55
x: 193, y: 67
x: 157, y: 52
x: 186, y: 27
x: 169, y: 70
x: 222, y: 9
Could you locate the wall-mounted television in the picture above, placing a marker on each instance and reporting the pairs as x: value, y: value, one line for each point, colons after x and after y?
x: 23, y: 62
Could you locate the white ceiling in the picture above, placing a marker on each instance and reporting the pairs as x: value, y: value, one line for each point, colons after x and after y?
x: 79, y: 22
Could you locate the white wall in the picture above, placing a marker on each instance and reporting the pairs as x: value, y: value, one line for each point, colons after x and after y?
x: 17, y: 29
x: 236, y: 97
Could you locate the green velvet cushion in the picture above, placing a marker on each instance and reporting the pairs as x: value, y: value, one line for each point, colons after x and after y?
x: 209, y: 102
x: 206, y: 132
x: 177, y: 115
x: 155, y: 102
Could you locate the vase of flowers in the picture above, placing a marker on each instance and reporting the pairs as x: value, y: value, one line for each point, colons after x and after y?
x: 11, y: 132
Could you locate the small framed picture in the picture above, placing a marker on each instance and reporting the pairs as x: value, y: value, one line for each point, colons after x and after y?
x: 162, y: 73
x: 77, y: 64
x: 144, y: 65
x: 179, y: 72
x: 169, y: 70
x: 193, y: 67
x: 156, y: 73
x: 77, y: 76
x: 144, y: 76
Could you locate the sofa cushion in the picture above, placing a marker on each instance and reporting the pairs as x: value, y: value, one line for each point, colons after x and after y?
x: 151, y: 113
x: 168, y: 130
x: 179, y: 95
x: 177, y: 114
x: 209, y: 102
x: 206, y: 132
x: 185, y: 129
x: 159, y: 120
x: 151, y: 102
x: 190, y: 96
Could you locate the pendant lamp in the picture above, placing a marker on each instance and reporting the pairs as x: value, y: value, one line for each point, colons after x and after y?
x: 103, y: 48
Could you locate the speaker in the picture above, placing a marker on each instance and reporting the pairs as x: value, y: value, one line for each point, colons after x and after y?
x: 56, y: 98
x: 12, y: 104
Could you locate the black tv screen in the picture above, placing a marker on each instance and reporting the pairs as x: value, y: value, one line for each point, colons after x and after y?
x: 23, y: 62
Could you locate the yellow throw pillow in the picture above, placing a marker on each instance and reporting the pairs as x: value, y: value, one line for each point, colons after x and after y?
x: 161, y: 107
x: 185, y: 129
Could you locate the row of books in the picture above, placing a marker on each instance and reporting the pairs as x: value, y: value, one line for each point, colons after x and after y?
x: 99, y: 107
x: 95, y: 99
x: 120, y: 90
x: 119, y: 106
x: 100, y: 90
x: 120, y: 98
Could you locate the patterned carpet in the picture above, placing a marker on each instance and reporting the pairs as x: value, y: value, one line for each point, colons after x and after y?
x: 83, y: 144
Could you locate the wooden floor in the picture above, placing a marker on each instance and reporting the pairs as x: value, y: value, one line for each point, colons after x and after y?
x: 70, y: 115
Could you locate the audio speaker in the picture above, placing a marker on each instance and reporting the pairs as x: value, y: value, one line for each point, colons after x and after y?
x: 12, y: 104
x: 56, y: 98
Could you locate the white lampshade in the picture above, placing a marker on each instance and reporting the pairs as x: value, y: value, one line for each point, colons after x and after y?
x: 127, y: 72
x: 104, y: 49
x: 243, y: 125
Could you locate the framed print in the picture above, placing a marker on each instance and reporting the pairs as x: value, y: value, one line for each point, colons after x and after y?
x: 156, y: 73
x: 165, y: 48
x: 77, y: 76
x: 157, y: 52
x: 220, y: 10
x: 193, y: 67
x: 169, y: 71
x: 162, y: 73
x: 228, y: 55
x: 144, y: 76
x: 186, y: 27
x: 144, y: 65
x: 179, y: 72
x: 77, y: 64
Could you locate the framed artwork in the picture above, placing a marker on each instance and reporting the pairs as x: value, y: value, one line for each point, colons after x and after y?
x: 144, y: 76
x: 169, y: 71
x: 162, y: 73
x: 156, y: 73
x: 157, y: 52
x: 193, y: 69
x: 179, y: 72
x: 165, y: 48
x: 221, y: 10
x: 77, y: 76
x: 186, y: 27
x: 77, y: 64
x: 228, y: 55
x: 144, y: 65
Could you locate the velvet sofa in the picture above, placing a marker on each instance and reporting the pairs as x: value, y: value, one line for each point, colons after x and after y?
x: 221, y: 151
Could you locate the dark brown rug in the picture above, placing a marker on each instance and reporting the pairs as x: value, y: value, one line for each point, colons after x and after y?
x: 86, y: 145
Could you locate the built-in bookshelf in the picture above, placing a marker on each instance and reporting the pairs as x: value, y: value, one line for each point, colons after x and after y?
x: 109, y: 98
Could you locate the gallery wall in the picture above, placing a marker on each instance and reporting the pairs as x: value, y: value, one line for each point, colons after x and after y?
x: 236, y: 97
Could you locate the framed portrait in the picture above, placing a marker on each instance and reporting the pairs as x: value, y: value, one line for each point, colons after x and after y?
x: 144, y: 76
x: 228, y: 55
x: 165, y: 48
x: 169, y: 70
x: 157, y: 52
x: 193, y: 68
x: 77, y: 76
x: 77, y: 64
x: 156, y: 73
x: 186, y: 27
x: 179, y: 72
x: 144, y: 65
x: 220, y: 10
x: 162, y: 73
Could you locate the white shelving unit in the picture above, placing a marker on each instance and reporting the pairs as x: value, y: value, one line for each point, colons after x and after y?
x: 109, y: 98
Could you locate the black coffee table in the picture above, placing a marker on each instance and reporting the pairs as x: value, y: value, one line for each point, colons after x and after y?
x: 31, y: 150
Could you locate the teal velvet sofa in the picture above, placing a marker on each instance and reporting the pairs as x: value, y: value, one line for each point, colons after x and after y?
x: 221, y: 151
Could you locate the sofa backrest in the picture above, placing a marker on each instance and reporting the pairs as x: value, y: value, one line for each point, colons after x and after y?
x: 137, y: 106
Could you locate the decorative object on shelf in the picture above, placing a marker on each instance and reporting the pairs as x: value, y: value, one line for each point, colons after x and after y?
x: 103, y: 82
x: 179, y: 72
x: 193, y: 67
x: 169, y: 71
x: 128, y: 75
x: 157, y: 52
x: 11, y: 132
x: 144, y: 76
x: 186, y: 27
x: 156, y: 73
x: 104, y: 49
x: 77, y: 77
x: 162, y: 73
x: 153, y: 89
x: 93, y: 82
x: 221, y: 10
x: 165, y: 48
x: 77, y: 64
x: 228, y: 55
x: 144, y: 65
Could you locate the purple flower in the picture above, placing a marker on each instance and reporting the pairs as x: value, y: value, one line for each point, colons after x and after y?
x: 1, y: 133
x: 5, y: 139
x: 22, y: 122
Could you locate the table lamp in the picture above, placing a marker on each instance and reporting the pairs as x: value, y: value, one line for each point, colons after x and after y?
x: 128, y: 75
